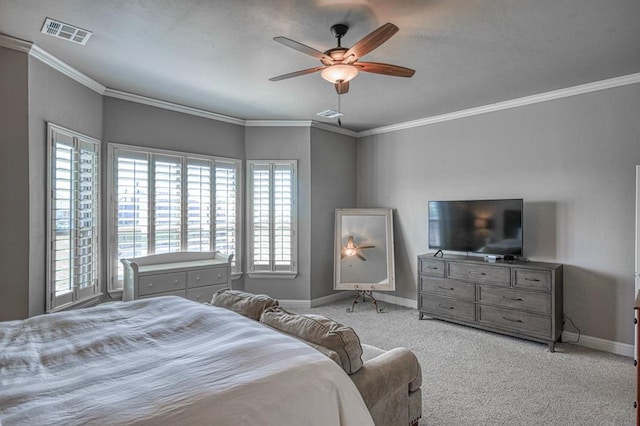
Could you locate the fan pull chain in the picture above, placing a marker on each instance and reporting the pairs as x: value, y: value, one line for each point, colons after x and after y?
x: 339, y: 108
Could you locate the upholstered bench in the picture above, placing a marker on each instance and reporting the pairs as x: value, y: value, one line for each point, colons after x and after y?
x: 389, y: 381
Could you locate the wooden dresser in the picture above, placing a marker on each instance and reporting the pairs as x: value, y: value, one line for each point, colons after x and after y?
x: 193, y: 275
x: 521, y: 299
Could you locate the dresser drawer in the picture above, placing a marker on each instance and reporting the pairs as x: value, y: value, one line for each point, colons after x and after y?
x: 508, y: 319
x: 160, y: 283
x: 432, y: 267
x: 479, y: 273
x: 204, y: 294
x: 166, y: 293
x: 535, y: 302
x: 446, y: 307
x: 532, y: 279
x: 202, y: 277
x: 450, y: 288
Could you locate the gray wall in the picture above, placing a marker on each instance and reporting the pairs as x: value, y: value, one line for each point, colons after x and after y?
x: 132, y: 123
x: 137, y: 124
x: 14, y: 185
x: 54, y: 98
x: 572, y: 160
x: 32, y: 95
x: 286, y: 143
x: 333, y: 186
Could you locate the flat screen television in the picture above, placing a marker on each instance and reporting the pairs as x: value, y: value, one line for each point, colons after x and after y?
x: 477, y: 226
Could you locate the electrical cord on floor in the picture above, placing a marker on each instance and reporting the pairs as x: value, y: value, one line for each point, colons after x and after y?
x: 565, y: 317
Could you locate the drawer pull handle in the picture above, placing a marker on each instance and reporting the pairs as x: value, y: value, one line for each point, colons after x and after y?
x: 219, y: 275
x: 198, y: 297
x: 432, y: 267
x: 511, y: 320
x: 446, y: 307
x: 515, y: 299
x: 198, y: 278
x: 477, y: 273
x: 175, y: 281
x: 535, y: 280
x: 150, y: 284
x: 446, y: 288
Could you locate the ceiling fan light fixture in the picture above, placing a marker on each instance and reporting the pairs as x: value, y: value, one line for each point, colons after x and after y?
x: 339, y: 72
x: 350, y: 252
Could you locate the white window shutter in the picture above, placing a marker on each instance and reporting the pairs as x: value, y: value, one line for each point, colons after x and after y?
x: 73, y: 210
x: 272, y: 217
x: 165, y: 203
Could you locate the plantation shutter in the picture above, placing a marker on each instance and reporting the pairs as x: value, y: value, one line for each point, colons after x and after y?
x: 73, y: 217
x: 199, y: 194
x: 226, y: 220
x: 131, y: 207
x: 165, y: 202
x: 272, y: 217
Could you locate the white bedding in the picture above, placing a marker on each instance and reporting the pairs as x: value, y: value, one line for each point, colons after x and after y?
x: 166, y: 361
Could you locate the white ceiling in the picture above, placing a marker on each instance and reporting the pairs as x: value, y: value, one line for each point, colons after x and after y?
x: 218, y: 55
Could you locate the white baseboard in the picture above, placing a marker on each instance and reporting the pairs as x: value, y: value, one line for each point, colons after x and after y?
x: 396, y: 300
x: 590, y: 342
x: 294, y: 303
x: 335, y: 297
x: 618, y: 348
x: 306, y: 304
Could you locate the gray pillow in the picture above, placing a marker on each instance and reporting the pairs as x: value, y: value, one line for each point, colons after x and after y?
x: 320, y: 331
x: 247, y: 304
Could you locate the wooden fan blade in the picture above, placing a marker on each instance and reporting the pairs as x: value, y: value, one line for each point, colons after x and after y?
x: 386, y: 69
x: 369, y: 42
x: 359, y: 256
x: 364, y: 247
x: 297, y: 73
x: 304, y: 49
x: 342, y: 87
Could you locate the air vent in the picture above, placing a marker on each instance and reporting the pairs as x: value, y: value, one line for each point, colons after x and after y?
x: 330, y: 114
x: 65, y: 31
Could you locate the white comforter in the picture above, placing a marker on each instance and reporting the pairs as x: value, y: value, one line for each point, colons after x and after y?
x: 166, y: 361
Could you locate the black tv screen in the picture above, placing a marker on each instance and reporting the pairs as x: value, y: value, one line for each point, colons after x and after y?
x: 477, y: 226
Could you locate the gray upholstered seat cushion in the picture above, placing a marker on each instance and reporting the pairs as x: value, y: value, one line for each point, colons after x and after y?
x: 321, y: 331
x: 247, y: 304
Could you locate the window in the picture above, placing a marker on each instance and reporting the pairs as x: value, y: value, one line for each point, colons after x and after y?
x: 165, y: 201
x: 73, y: 218
x: 272, y: 218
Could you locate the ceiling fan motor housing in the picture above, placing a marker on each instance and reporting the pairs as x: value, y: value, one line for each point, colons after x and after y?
x: 339, y: 30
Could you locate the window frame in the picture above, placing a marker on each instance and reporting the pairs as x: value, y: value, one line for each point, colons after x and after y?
x: 272, y: 271
x: 78, y: 296
x: 112, y: 214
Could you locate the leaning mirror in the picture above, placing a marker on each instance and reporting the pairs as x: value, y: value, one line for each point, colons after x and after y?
x: 363, y: 250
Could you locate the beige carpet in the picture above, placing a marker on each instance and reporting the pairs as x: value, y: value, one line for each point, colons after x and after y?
x: 472, y: 377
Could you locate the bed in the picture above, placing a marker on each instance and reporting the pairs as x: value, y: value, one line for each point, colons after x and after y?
x: 166, y: 361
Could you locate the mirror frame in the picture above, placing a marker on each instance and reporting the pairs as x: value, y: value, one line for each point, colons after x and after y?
x: 338, y: 284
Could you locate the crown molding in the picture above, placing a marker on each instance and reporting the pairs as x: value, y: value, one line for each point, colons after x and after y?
x: 44, y: 56
x: 334, y: 129
x: 48, y: 59
x: 66, y: 69
x: 278, y: 123
x: 301, y: 123
x: 112, y: 93
x: 15, y: 43
x: 513, y: 103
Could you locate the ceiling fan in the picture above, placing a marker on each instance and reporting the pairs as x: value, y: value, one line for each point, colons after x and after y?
x: 341, y: 64
x: 351, y: 249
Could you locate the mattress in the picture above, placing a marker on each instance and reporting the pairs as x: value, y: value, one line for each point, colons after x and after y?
x: 166, y: 361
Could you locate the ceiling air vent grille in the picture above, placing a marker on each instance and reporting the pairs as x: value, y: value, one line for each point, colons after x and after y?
x: 330, y: 114
x: 65, y: 31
